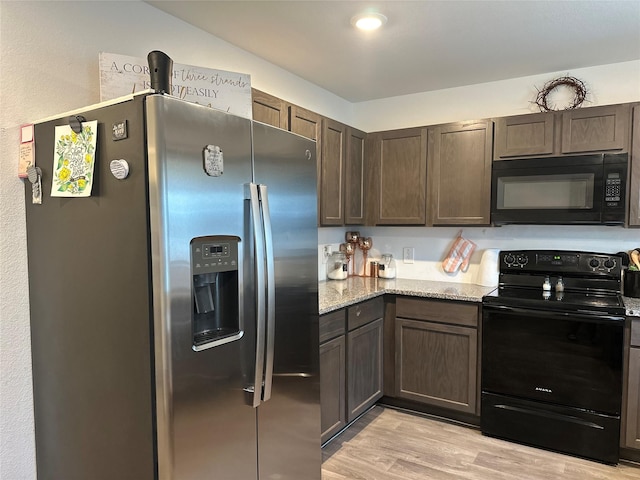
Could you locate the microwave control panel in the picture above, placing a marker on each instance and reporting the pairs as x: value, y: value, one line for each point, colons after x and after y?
x: 614, y: 186
x: 613, y: 189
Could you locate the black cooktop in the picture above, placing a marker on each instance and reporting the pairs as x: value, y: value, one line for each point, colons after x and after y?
x: 591, y: 281
x: 567, y: 301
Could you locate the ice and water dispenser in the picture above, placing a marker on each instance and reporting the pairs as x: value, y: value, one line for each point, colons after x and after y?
x: 215, y: 316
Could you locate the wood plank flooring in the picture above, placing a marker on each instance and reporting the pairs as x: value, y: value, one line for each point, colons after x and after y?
x: 387, y: 444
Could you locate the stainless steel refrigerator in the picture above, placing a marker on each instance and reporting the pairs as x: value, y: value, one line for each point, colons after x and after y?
x: 174, y: 312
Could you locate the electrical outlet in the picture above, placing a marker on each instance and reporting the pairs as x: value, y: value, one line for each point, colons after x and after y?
x: 326, y: 253
x: 408, y: 254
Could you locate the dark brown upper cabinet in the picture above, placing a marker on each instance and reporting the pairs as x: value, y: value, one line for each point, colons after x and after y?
x: 332, y: 172
x: 524, y: 135
x: 354, y: 193
x: 595, y: 129
x: 399, y: 177
x: 583, y: 130
x: 270, y: 110
x: 459, y: 173
x: 305, y: 122
x: 341, y: 174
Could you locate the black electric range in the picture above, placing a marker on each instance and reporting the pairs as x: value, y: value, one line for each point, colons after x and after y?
x: 552, y: 352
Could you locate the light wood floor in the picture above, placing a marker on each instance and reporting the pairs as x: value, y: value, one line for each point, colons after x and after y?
x: 386, y: 444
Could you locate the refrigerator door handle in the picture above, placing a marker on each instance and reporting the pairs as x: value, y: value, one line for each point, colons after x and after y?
x: 258, y: 238
x: 271, y: 291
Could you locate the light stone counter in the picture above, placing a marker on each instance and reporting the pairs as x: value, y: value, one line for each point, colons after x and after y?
x: 632, y: 305
x: 336, y: 294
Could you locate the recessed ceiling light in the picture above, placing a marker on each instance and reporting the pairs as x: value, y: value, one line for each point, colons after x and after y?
x: 368, y: 21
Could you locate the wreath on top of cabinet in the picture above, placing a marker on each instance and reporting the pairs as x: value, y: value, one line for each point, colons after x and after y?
x: 571, y: 83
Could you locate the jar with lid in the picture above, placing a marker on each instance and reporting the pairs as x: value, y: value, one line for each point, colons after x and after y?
x: 387, y: 266
x: 337, y: 266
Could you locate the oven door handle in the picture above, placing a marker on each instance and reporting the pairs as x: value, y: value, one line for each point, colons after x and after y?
x: 583, y: 315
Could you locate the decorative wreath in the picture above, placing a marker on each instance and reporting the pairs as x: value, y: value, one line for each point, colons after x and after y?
x: 579, y: 88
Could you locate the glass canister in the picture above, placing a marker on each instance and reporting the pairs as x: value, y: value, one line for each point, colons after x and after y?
x: 387, y: 266
x: 337, y: 266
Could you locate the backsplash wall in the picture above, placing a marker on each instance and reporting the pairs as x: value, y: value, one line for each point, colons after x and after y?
x: 432, y: 244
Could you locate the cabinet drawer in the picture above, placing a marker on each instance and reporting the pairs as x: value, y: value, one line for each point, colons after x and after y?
x: 437, y: 311
x: 635, y: 333
x: 332, y: 325
x: 365, y: 312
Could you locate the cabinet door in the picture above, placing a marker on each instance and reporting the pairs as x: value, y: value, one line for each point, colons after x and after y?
x: 332, y: 387
x: 400, y: 178
x: 459, y: 173
x: 524, y: 135
x: 595, y: 129
x: 436, y: 364
x: 309, y: 125
x: 634, y: 162
x: 332, y: 172
x: 633, y: 400
x: 354, y: 201
x: 364, y: 368
x: 270, y: 110
x: 305, y: 123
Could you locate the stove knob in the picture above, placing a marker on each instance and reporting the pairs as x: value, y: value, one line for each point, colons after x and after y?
x: 594, y: 263
x: 609, y: 263
x: 522, y: 260
x: 509, y: 259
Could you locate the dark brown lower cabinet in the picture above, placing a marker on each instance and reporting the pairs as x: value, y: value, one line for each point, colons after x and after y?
x: 436, y: 363
x: 350, y: 364
x: 332, y: 387
x: 364, y: 368
x: 632, y: 438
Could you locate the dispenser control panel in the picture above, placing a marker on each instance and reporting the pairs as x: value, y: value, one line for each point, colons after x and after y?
x: 215, y: 250
x: 214, y: 254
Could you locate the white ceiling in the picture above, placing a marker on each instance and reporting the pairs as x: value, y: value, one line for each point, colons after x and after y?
x: 425, y: 45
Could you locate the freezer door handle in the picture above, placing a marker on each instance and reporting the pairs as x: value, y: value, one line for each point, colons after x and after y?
x: 271, y: 291
x: 258, y: 238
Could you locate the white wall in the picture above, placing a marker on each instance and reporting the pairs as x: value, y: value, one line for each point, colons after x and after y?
x: 606, y: 84
x: 49, y: 64
x: 432, y: 244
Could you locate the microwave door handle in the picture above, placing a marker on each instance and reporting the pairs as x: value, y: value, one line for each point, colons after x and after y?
x: 259, y: 266
x: 271, y: 291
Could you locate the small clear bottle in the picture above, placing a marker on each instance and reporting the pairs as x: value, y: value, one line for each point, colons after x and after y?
x: 387, y: 266
x: 337, y: 266
x: 560, y: 285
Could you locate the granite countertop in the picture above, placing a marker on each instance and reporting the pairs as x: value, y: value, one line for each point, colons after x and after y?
x: 336, y: 294
x: 632, y: 305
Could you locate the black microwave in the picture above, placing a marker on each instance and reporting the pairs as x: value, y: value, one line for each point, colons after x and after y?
x: 574, y: 190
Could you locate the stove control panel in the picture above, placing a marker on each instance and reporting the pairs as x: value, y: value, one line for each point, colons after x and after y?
x: 559, y: 261
x: 602, y: 263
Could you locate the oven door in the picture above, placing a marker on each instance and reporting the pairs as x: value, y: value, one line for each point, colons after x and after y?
x: 557, y: 358
x: 548, y: 190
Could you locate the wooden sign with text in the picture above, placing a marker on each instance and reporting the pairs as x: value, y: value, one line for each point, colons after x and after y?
x: 229, y: 91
